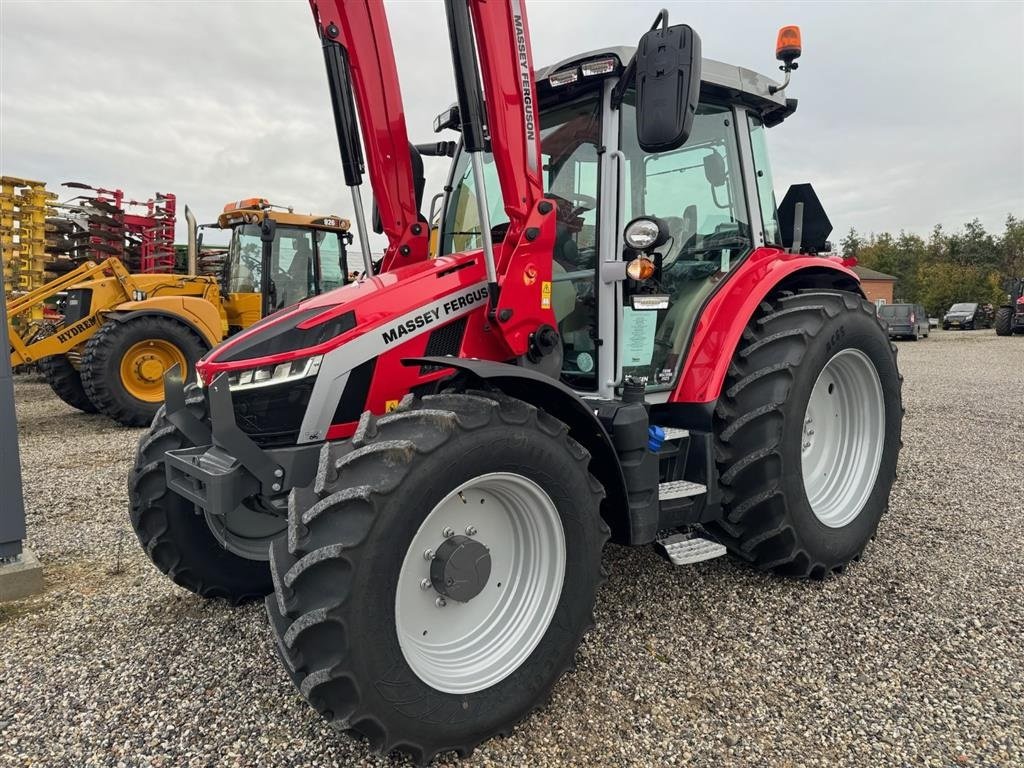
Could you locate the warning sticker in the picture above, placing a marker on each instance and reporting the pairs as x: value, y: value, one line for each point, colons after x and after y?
x: 545, y: 294
x: 390, y: 405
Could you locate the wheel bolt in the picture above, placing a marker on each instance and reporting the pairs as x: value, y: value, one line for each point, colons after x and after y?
x: 447, y: 533
x: 425, y: 585
x: 428, y: 554
x: 471, y: 530
x: 810, y: 431
x: 807, y: 444
x: 440, y: 602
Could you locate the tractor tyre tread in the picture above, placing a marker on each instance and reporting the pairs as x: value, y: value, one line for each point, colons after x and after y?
x: 66, y: 382
x: 315, y: 612
x: 101, y: 365
x: 1004, y: 321
x: 178, y: 541
x: 759, y: 525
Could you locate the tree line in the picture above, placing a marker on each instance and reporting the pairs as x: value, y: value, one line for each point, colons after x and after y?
x: 969, y: 264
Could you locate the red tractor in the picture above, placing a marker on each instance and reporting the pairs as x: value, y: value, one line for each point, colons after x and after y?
x: 621, y: 338
x: 1010, y: 316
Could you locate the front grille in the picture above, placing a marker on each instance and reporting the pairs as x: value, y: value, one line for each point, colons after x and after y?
x: 272, y: 415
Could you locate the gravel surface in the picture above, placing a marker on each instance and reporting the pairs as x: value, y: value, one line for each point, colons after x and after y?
x: 913, y: 657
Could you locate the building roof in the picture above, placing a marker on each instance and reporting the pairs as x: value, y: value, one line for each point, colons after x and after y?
x: 872, y: 274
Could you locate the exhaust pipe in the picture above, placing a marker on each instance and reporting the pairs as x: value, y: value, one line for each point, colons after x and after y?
x: 192, y: 249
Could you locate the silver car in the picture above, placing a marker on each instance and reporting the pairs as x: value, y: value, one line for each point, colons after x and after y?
x: 908, y: 321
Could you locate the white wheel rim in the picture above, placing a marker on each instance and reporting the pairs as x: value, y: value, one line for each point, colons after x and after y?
x: 466, y: 647
x: 842, y: 439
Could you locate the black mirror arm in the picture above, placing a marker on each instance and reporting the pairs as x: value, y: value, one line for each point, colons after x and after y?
x: 619, y: 92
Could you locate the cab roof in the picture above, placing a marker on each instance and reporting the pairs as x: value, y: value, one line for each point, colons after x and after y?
x: 717, y: 79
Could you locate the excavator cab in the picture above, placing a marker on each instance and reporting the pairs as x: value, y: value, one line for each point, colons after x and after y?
x: 274, y: 258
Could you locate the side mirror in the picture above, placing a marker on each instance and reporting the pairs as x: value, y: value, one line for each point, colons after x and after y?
x: 419, y: 182
x: 714, y: 169
x: 267, y: 229
x: 668, y: 68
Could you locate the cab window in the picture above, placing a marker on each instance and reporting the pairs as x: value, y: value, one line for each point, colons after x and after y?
x: 293, y: 274
x: 698, y: 191
x: 570, y: 139
x: 765, y: 184
x: 333, y: 265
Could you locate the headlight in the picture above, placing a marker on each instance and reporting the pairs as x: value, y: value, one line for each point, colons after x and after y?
x: 270, y: 375
x: 644, y: 233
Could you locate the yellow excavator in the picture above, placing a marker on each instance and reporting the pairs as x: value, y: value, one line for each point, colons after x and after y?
x: 118, y: 333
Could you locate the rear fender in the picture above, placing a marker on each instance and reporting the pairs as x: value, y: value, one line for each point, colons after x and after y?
x: 565, y: 405
x: 199, y: 314
x: 725, y: 315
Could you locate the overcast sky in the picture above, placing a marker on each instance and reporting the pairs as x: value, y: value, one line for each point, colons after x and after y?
x: 910, y: 114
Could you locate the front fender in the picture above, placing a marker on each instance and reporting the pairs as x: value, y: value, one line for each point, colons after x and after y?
x: 562, y: 403
x: 199, y: 314
x: 725, y: 315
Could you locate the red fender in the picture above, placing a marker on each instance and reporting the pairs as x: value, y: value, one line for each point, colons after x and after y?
x: 726, y: 314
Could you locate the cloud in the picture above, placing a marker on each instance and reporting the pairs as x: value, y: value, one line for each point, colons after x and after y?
x: 900, y: 124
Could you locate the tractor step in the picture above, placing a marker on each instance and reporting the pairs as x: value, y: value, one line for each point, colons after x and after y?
x: 689, y: 548
x: 675, y: 433
x: 679, y: 489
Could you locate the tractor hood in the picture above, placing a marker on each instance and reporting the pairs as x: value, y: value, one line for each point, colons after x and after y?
x: 380, y: 310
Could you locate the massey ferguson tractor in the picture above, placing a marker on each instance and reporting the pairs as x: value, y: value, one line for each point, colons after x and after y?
x: 621, y: 338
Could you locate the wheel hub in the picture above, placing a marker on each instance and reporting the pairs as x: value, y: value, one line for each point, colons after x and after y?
x: 460, y: 568
x: 150, y: 369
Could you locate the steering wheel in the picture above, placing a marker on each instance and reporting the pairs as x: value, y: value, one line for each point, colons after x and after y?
x: 580, y: 203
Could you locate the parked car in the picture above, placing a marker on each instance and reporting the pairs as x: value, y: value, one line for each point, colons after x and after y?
x: 905, y: 320
x: 968, y: 316
x: 933, y: 322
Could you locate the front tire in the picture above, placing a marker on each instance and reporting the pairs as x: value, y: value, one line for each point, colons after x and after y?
x: 807, y: 434
x: 124, y: 362
x: 66, y: 382
x: 183, y: 543
x: 357, y: 613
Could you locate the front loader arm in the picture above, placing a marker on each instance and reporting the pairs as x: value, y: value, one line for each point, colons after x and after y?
x: 513, y: 119
x: 29, y: 342
x: 361, y: 28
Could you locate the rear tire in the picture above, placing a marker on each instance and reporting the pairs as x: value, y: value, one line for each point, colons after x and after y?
x: 178, y: 539
x: 763, y: 447
x: 66, y: 382
x: 133, y: 397
x: 1004, y: 320
x: 337, y: 611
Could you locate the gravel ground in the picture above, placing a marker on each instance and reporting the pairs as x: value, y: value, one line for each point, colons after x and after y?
x: 913, y: 657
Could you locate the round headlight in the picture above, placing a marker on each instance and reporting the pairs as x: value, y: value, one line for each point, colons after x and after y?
x: 641, y: 234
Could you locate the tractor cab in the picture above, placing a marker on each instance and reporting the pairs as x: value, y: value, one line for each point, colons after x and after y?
x: 275, y: 258
x: 712, y: 199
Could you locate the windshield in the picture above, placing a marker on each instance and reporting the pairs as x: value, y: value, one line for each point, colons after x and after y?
x: 894, y: 310
x: 570, y: 138
x: 963, y: 308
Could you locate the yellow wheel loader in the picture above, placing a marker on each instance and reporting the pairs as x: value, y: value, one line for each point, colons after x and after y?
x: 121, y: 332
